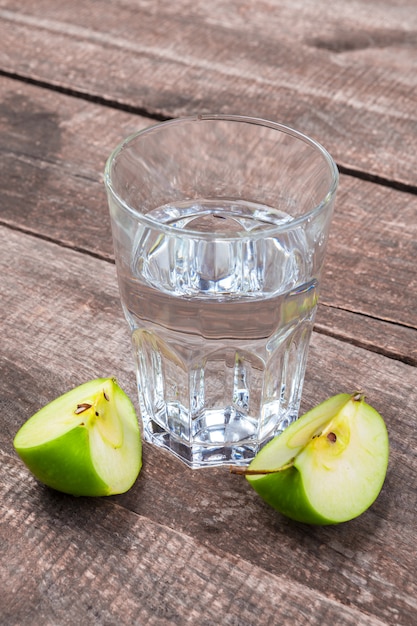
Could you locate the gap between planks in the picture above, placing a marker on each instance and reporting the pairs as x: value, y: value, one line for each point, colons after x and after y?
x: 153, y: 115
x: 319, y: 328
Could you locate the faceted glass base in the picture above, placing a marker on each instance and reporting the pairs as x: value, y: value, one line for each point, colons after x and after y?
x: 198, y: 455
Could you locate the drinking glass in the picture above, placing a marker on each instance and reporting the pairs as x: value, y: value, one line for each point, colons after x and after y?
x: 220, y: 226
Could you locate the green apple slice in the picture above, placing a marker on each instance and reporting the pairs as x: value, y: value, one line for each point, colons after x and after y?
x: 86, y: 442
x: 328, y: 466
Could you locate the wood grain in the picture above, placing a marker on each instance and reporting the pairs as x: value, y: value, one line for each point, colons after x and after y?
x: 91, y: 561
x: 344, y: 73
x: 63, y: 325
x: 387, y: 338
x: 52, y: 157
x: 184, y: 547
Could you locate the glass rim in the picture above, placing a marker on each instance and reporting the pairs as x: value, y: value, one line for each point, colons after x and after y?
x: 268, y: 230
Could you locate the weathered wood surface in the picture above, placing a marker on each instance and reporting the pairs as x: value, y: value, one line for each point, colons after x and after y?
x: 93, y: 562
x: 387, y: 338
x: 53, y: 152
x: 344, y: 72
x: 185, y: 547
x: 182, y: 546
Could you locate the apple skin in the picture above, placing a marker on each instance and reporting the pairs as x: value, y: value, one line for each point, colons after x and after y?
x: 84, y: 443
x: 284, y: 491
x: 71, y: 472
x: 328, y: 466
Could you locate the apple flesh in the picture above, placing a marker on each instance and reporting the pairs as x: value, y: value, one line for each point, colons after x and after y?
x: 86, y: 442
x: 328, y: 466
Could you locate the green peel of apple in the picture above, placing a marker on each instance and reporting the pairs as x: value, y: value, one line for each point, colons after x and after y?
x: 328, y: 466
x: 86, y: 442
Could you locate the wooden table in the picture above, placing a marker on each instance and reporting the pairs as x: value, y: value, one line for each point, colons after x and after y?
x: 184, y: 547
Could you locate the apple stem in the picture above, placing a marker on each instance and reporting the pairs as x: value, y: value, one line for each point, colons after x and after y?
x: 243, y: 471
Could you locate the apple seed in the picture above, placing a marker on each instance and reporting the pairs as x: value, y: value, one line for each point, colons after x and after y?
x: 99, y: 455
x: 82, y: 407
x: 328, y: 466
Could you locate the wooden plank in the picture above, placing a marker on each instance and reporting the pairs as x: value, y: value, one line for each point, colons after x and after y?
x: 370, y: 333
x: 372, y: 251
x: 343, y: 72
x: 52, y: 157
x: 67, y: 561
x: 63, y: 325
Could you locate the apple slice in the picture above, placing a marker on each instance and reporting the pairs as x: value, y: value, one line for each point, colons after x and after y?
x: 86, y: 442
x: 328, y: 466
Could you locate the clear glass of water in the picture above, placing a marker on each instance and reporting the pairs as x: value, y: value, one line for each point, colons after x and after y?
x: 220, y: 226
